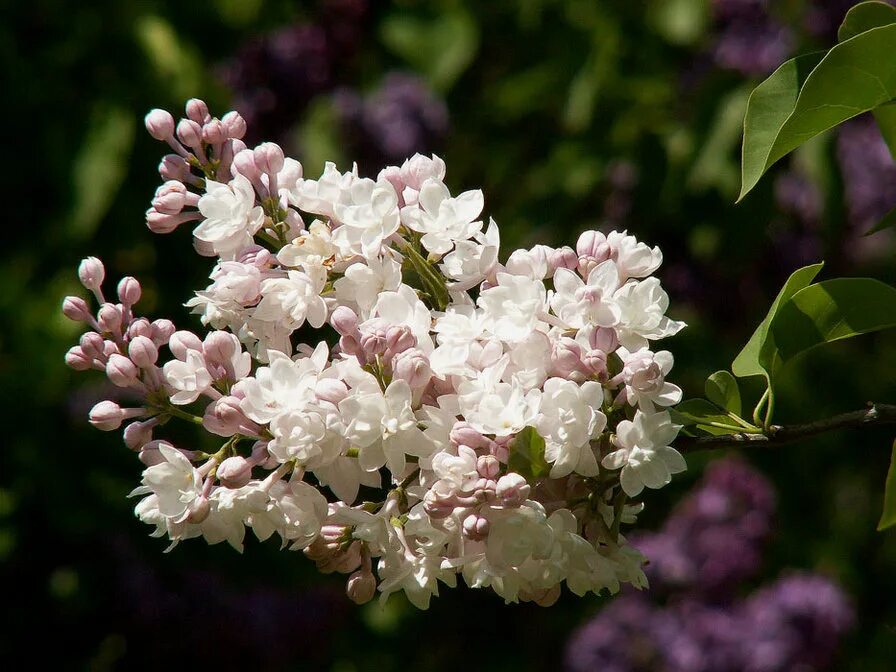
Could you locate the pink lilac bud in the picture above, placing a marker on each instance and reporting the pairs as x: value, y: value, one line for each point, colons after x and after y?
x: 244, y: 164
x: 214, y: 132
x: 344, y: 321
x: 475, y: 527
x: 436, y: 506
x: 140, y: 327
x: 592, y: 249
x: 190, y: 133
x: 93, y: 345
x: 109, y: 318
x: 162, y: 330
x: 361, y: 587
x: 234, y: 472
x: 566, y: 357
x: 512, y: 490
x: 138, y: 434
x: 562, y: 257
x: 225, y: 417
x: 398, y: 339
x: 373, y: 337
x: 77, y: 360
x: 235, y: 124
x: 143, y: 352
x: 197, y: 111
x: 107, y: 416
x: 412, y: 366
x: 182, y: 341
x: 219, y: 347
x: 174, y: 168
x: 129, y: 291
x: 393, y: 175
x: 462, y: 434
x: 603, y: 338
x: 159, y: 222
x: 91, y: 272
x: 331, y: 390
x: 256, y: 256
x: 76, y: 309
x: 199, y: 510
x: 170, y: 198
x: 350, y: 346
x: 595, y: 362
x: 122, y: 371
x: 160, y: 124
x: 269, y: 158
x: 488, y: 466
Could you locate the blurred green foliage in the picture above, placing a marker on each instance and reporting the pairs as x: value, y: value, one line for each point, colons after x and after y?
x: 570, y: 114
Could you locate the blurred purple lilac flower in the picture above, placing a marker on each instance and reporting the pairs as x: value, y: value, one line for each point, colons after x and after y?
x: 869, y: 172
x: 748, y: 39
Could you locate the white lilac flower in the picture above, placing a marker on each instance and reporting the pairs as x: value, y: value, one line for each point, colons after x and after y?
x: 644, y: 376
x: 231, y: 216
x: 513, y: 307
x: 644, y: 453
x: 174, y: 482
x: 569, y: 418
x: 362, y: 283
x: 293, y: 299
x: 284, y: 385
x: 642, y: 307
x: 321, y: 196
x: 472, y: 261
x: 190, y: 378
x: 579, y: 304
x: 494, y: 407
x: 441, y: 219
x: 314, y: 249
x: 368, y: 219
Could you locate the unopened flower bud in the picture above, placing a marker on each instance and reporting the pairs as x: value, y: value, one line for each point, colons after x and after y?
x: 76, y: 309
x: 361, y: 587
x: 121, y: 371
x: 269, y: 158
x: 412, y: 366
x: 219, y: 347
x: 109, y: 318
x: 162, y: 223
x: 138, y: 434
x: 234, y: 472
x: 488, y: 466
x: 93, y: 345
x: 398, y: 339
x: 162, y: 330
x: 225, y: 417
x: 562, y: 257
x: 91, y: 272
x: 190, y: 133
x: 475, y: 527
x: 462, y: 434
x: 129, y: 291
x: 437, y: 507
x: 106, y: 416
x: 199, y: 510
x: 77, y: 360
x: 512, y: 490
x: 183, y: 341
x: 331, y: 390
x: 170, y: 198
x: 197, y: 111
x: 140, y: 327
x: 174, y: 168
x: 160, y: 124
x: 566, y: 357
x: 234, y: 124
x: 595, y: 362
x: 244, y: 164
x: 373, y: 340
x: 344, y: 321
x: 214, y: 132
x: 143, y: 352
x: 603, y: 338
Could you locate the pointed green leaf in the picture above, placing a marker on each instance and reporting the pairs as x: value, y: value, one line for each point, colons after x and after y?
x: 722, y: 390
x: 888, y: 221
x: 888, y: 517
x: 527, y: 455
x: 855, y: 76
x: 865, y: 16
x: 829, y: 311
x: 747, y: 363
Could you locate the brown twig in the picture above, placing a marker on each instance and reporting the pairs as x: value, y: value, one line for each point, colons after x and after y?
x: 780, y: 435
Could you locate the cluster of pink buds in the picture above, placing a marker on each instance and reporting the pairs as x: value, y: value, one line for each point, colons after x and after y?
x: 479, y: 418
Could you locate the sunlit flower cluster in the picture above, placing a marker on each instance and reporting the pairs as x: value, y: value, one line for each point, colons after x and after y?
x: 459, y: 415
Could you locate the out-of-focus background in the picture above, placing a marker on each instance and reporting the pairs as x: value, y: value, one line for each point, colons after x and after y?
x: 570, y: 114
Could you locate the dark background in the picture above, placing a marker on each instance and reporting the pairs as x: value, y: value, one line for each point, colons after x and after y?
x: 570, y: 115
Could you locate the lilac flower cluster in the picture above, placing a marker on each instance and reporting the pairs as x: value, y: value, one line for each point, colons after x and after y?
x: 504, y: 414
x: 748, y: 39
x: 711, y: 543
x: 869, y: 172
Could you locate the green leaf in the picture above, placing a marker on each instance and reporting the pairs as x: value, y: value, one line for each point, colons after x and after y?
x: 888, y: 221
x: 865, y: 16
x: 769, y: 106
x: 747, y: 363
x: 440, y: 48
x: 527, y: 455
x: 829, y: 311
x: 722, y: 390
x: 100, y: 167
x: 855, y: 76
x: 888, y: 517
x: 699, y: 413
x: 885, y: 116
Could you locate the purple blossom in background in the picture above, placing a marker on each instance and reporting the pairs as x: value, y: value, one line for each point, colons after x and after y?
x: 711, y: 543
x: 748, y: 39
x: 824, y: 17
x: 869, y: 172
x: 400, y: 118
